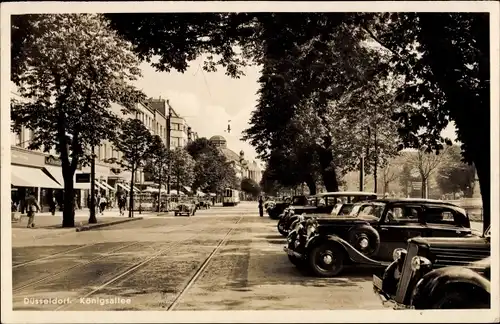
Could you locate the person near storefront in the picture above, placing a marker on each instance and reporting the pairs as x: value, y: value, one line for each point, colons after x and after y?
x: 32, y: 207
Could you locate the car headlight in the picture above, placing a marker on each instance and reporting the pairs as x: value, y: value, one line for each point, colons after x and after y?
x: 311, y: 229
x: 419, y: 262
x: 398, y: 254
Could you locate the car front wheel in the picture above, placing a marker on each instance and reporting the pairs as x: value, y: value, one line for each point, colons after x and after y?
x: 281, y: 227
x: 327, y: 260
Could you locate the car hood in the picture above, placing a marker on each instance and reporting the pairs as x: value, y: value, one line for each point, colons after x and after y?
x: 469, y: 241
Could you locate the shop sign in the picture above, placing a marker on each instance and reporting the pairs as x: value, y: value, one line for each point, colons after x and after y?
x: 26, y: 158
x: 82, y: 178
x: 52, y: 160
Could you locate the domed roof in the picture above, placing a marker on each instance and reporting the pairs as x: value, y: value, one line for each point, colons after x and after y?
x: 217, y: 138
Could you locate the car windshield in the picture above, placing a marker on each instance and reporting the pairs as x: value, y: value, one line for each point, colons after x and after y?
x: 370, y: 211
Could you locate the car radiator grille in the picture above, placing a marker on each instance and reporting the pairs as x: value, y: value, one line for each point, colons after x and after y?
x: 406, y: 275
x: 457, y: 257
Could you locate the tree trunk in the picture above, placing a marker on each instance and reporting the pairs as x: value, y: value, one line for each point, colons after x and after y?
x: 483, y: 173
x: 159, y: 188
x: 69, y: 200
x: 375, y: 165
x: 131, y: 195
x: 424, y: 188
x: 311, y: 184
x: 328, y: 173
x: 386, y: 187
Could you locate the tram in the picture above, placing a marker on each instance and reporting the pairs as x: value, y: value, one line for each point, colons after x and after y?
x: 231, y: 197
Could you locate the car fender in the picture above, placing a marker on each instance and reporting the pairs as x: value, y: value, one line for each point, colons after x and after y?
x: 440, y: 279
x: 353, y: 254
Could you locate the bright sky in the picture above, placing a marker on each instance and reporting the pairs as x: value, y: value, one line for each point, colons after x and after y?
x: 208, y: 100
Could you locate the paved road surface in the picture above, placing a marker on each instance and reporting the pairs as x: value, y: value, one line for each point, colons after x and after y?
x: 220, y: 259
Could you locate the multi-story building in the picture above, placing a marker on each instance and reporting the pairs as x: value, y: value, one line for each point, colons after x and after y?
x: 42, y: 172
x: 242, y: 167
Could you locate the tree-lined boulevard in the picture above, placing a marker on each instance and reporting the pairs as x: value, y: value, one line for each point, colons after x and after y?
x: 338, y: 91
x: 347, y: 102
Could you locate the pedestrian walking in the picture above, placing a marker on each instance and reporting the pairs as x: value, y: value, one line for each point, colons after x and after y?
x: 261, y: 206
x: 121, y: 204
x: 32, y: 207
x: 102, y: 204
x: 53, y: 205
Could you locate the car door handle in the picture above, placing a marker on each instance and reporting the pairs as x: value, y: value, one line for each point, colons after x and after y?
x: 384, y: 229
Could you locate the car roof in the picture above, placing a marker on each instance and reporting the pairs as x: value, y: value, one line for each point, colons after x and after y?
x: 417, y: 200
x: 346, y: 193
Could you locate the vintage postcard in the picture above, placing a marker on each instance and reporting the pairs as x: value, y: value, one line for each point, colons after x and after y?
x: 244, y: 162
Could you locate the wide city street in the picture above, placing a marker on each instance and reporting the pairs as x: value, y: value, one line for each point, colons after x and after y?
x: 224, y: 258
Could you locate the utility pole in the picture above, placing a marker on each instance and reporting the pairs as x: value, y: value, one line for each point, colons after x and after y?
x: 92, y: 218
x: 169, y: 129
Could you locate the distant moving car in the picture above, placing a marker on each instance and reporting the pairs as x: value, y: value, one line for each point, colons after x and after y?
x: 437, y: 273
x: 279, y: 207
x: 187, y: 208
x: 378, y: 227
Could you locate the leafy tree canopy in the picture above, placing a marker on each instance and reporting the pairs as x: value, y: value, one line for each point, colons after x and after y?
x: 69, y: 69
x: 250, y: 186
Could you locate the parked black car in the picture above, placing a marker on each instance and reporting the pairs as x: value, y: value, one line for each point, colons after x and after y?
x: 328, y: 203
x: 372, y: 232
x: 289, y: 219
x: 436, y: 273
x: 325, y: 202
x: 279, y: 207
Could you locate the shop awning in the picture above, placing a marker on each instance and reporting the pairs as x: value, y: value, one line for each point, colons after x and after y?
x: 124, y: 187
x: 32, y: 177
x: 56, y: 173
x: 108, y: 186
x: 100, y: 185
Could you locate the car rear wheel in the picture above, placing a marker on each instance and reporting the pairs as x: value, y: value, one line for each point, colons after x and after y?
x: 327, y: 260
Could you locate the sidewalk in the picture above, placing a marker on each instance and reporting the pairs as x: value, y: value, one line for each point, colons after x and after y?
x: 49, y: 221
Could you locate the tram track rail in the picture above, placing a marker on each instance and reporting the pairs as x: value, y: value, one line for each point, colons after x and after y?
x: 22, y: 264
x: 138, y: 265
x: 201, y: 269
x: 65, y: 270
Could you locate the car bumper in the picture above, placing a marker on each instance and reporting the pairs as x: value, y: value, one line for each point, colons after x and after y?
x: 384, y: 297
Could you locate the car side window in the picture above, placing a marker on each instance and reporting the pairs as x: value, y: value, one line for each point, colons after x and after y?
x: 438, y: 215
x: 402, y: 214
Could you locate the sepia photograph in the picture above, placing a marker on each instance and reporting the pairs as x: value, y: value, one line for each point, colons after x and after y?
x: 244, y: 161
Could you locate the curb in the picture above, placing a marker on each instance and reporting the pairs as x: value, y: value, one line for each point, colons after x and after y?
x: 92, y: 226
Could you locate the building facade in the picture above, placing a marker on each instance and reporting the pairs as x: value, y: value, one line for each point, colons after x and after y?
x: 242, y: 167
x: 41, y: 172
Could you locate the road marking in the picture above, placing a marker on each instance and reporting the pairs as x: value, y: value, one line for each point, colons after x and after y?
x: 201, y: 269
